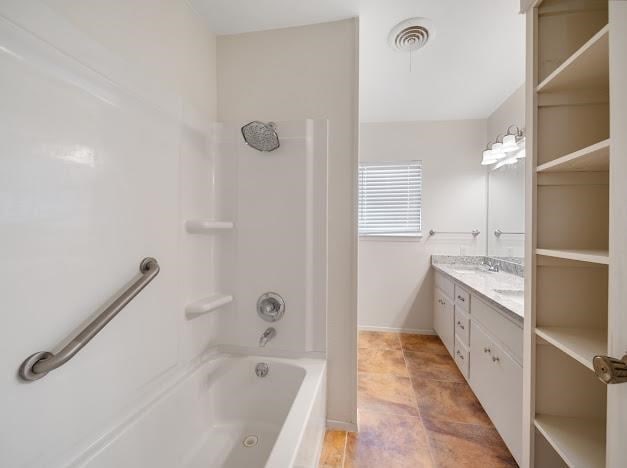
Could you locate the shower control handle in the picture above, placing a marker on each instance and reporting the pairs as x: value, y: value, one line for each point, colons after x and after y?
x: 270, y: 307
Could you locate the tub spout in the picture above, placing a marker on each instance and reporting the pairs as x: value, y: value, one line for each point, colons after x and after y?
x: 267, y: 336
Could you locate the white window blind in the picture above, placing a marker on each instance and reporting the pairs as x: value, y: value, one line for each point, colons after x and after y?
x: 390, y: 198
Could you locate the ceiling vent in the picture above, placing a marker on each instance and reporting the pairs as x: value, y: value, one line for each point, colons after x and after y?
x: 411, y: 34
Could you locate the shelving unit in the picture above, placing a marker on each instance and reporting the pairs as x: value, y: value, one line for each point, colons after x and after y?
x: 594, y: 158
x: 580, y: 442
x: 206, y: 226
x: 581, y: 344
x: 568, y: 210
x: 207, y: 305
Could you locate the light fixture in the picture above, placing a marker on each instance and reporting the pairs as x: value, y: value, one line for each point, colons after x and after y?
x: 507, y: 149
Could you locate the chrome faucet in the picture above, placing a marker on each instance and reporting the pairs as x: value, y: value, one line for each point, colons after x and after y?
x: 267, y: 336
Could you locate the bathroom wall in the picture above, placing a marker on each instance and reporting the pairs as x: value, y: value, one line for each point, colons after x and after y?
x: 310, y: 72
x: 107, y: 108
x: 395, y: 279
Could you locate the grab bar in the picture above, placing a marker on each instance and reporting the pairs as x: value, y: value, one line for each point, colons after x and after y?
x: 39, y: 364
x: 499, y: 233
x: 474, y: 232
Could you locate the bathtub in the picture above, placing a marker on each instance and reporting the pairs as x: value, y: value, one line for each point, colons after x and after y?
x: 222, y: 415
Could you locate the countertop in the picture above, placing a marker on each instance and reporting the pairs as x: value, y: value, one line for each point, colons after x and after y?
x: 500, y: 289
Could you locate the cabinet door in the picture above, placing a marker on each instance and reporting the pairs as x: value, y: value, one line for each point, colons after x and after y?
x: 497, y: 381
x: 443, y: 318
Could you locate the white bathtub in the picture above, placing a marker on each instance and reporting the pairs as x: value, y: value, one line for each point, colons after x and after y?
x: 203, y: 420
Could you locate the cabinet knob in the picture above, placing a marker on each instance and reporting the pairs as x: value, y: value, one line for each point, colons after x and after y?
x: 459, y: 324
x: 461, y: 298
x: 459, y: 354
x: 487, y: 350
x: 495, y: 359
x: 610, y: 370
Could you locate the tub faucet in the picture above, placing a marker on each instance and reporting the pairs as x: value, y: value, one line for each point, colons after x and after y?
x: 267, y: 336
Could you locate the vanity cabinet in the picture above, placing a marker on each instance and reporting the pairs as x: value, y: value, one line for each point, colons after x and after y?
x: 487, y: 346
x: 443, y: 317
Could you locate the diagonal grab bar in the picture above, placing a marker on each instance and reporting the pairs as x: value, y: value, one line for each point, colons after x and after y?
x: 39, y: 364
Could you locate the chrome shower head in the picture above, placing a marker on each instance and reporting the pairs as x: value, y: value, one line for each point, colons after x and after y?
x: 261, y: 136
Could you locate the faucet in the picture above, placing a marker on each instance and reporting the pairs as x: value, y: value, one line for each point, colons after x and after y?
x: 267, y: 336
x: 492, y: 266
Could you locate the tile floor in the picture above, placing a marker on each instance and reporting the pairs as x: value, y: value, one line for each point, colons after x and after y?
x: 415, y: 410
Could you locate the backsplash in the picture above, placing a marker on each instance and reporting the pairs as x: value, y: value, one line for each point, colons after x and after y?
x: 504, y: 266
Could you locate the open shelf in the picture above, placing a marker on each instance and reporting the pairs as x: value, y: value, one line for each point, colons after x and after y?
x: 594, y: 158
x: 579, y: 441
x: 588, y: 67
x: 581, y: 344
x: 206, y: 226
x: 207, y: 304
x: 591, y: 256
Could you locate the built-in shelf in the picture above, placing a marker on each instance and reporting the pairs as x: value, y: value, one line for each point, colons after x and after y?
x: 580, y: 442
x: 594, y: 158
x: 588, y: 67
x: 582, y: 344
x: 207, y: 304
x: 206, y: 226
x: 591, y: 256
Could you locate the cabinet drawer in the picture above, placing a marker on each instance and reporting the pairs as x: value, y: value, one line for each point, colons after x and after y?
x: 462, y: 298
x: 508, y: 333
x: 444, y: 284
x: 496, y: 379
x: 462, y: 326
x: 462, y: 356
x: 443, y: 317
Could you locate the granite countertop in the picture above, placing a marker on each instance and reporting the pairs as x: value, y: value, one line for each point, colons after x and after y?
x: 502, y: 289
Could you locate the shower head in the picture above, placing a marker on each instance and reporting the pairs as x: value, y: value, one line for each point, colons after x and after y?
x: 261, y: 136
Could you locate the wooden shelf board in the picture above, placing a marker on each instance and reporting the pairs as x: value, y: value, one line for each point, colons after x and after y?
x: 594, y: 158
x: 206, y: 226
x: 591, y: 256
x: 588, y: 67
x: 579, y: 343
x: 580, y: 442
x: 207, y: 304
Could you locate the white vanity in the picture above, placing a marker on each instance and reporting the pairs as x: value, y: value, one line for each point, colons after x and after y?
x: 478, y: 314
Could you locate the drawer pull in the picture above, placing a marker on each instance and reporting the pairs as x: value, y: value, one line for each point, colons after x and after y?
x: 459, y: 324
x: 495, y: 359
x: 461, y: 298
x: 460, y: 355
x: 487, y: 350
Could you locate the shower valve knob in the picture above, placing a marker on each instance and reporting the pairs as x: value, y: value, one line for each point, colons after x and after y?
x: 270, y: 307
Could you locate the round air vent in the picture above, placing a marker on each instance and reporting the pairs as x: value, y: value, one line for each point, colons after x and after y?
x: 411, y: 34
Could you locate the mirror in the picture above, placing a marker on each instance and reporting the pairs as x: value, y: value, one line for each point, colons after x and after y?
x: 506, y: 212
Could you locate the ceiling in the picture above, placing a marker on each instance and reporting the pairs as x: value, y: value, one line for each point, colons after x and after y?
x: 473, y: 63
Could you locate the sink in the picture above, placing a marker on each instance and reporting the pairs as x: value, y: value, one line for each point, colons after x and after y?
x: 510, y: 292
x: 467, y: 268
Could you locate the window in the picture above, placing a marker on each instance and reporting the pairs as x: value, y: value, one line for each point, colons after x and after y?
x: 390, y: 198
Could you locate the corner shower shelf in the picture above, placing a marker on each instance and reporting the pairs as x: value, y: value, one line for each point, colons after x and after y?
x: 580, y: 442
x: 582, y: 344
x: 206, y: 226
x: 207, y: 304
x: 591, y: 256
x: 588, y: 67
x: 592, y: 158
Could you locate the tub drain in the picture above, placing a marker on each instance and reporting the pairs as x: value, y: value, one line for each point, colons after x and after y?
x: 250, y: 441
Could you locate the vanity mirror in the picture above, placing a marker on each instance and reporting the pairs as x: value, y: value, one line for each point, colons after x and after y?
x: 506, y: 211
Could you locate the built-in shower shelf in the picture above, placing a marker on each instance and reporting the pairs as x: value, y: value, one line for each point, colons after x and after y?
x: 206, y: 226
x: 207, y: 304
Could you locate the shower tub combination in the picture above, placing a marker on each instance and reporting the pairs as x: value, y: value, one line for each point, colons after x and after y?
x: 222, y: 414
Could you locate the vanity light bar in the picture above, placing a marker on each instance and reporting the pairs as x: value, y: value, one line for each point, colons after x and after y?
x: 506, y: 149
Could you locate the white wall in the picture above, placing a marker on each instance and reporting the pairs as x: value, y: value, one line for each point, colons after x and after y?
x: 106, y: 110
x: 506, y: 185
x: 310, y: 72
x: 395, y: 279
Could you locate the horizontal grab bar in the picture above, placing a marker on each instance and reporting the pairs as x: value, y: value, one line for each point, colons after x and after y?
x: 39, y: 364
x: 499, y: 233
x: 474, y: 232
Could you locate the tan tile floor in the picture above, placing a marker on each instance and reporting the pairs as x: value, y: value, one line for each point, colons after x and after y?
x: 415, y: 410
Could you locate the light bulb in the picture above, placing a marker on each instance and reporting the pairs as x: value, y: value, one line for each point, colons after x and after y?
x: 488, y: 158
x: 509, y: 143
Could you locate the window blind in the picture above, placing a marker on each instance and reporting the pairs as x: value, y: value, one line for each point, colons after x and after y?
x: 390, y: 198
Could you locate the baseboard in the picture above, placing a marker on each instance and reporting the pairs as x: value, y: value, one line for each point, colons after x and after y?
x: 335, y: 425
x: 413, y: 331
